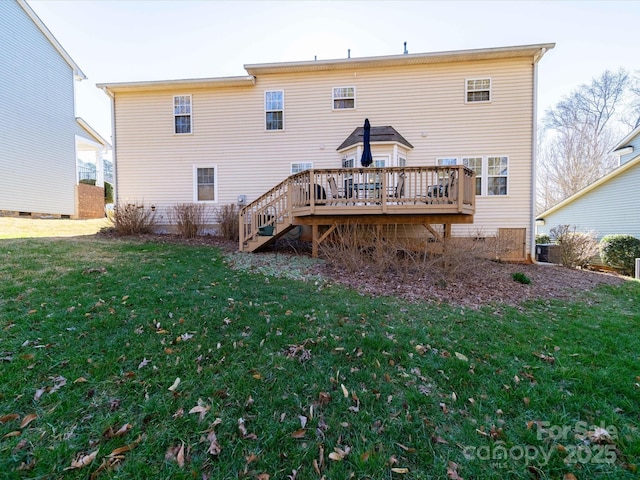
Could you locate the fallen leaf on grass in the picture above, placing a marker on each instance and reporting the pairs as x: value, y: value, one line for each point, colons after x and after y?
x: 25, y: 467
x: 460, y: 356
x: 338, y: 454
x: 121, y: 432
x: 143, y: 363
x: 546, y: 358
x: 82, y: 461
x: 569, y: 476
x: 15, y: 433
x: 214, y: 446
x: 28, y: 419
x: 299, y: 433
x: 400, y: 470
x: 201, y: 409
x: 9, y: 418
x: 176, y: 454
x: 452, y: 471
x: 176, y: 382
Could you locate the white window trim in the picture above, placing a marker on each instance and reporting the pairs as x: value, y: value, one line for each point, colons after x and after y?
x: 215, y: 184
x: 334, y: 98
x: 267, y: 111
x: 310, y: 167
x: 181, y: 115
x: 466, y: 90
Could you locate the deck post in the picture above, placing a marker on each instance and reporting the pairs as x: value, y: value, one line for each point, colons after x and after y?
x: 314, y: 240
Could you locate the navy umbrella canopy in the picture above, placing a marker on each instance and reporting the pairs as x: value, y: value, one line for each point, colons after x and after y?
x: 367, y: 158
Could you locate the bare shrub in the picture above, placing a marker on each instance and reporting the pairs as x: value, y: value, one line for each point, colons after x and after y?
x: 576, y: 248
x: 133, y: 219
x: 227, y: 218
x: 380, y: 252
x: 188, y: 218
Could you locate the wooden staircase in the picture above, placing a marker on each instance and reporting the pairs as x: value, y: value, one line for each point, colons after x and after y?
x: 266, y: 219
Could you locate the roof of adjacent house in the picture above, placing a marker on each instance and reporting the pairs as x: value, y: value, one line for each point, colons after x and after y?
x: 378, y: 135
x: 626, y: 140
x: 610, y: 176
x: 534, y: 51
x: 92, y: 133
x: 77, y: 73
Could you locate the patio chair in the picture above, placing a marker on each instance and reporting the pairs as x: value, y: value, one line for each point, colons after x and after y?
x: 333, y: 189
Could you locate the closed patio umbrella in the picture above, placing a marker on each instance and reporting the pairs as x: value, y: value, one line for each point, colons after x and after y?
x: 367, y: 158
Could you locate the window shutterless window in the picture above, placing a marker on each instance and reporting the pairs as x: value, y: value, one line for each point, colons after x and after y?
x: 182, y: 114
x: 497, y: 174
x: 475, y: 164
x: 274, y: 110
x: 344, y: 98
x: 348, y: 162
x: 444, y: 162
x: 205, y: 184
x: 478, y: 90
x: 301, y: 167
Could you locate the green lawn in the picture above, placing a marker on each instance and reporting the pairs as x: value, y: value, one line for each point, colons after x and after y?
x: 131, y: 360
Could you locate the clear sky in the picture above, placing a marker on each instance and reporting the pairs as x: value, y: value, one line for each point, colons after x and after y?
x: 138, y: 40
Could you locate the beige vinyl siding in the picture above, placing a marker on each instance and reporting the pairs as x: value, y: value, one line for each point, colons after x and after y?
x: 228, y: 130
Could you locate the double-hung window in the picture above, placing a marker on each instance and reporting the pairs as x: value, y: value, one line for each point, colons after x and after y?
x: 205, y: 187
x: 497, y: 174
x: 478, y: 90
x: 344, y: 98
x: 274, y: 109
x: 182, y: 114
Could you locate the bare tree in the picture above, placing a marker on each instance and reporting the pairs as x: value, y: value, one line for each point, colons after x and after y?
x: 631, y: 115
x: 578, y: 135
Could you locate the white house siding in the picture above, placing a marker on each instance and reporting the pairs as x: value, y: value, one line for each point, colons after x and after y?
x: 611, y: 208
x: 37, y: 141
x: 424, y: 103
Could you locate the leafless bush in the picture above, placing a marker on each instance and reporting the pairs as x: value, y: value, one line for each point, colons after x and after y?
x: 227, y: 218
x: 133, y: 219
x: 188, y: 218
x: 381, y: 252
x: 576, y: 248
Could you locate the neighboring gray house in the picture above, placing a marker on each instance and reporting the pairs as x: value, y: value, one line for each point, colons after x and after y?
x: 608, y: 206
x: 40, y: 137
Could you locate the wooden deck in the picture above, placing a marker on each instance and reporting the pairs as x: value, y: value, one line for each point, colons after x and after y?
x: 327, y: 198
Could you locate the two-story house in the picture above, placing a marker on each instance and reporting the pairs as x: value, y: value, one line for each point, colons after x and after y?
x: 235, y: 139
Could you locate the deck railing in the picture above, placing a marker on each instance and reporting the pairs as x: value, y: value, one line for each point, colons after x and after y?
x: 359, y: 190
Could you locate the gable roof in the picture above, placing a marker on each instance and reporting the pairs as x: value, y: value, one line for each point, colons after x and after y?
x: 378, y: 135
x: 535, y: 51
x: 610, y: 176
x: 77, y: 73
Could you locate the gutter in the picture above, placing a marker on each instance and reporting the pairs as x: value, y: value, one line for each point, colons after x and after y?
x: 534, y: 157
x: 113, y: 142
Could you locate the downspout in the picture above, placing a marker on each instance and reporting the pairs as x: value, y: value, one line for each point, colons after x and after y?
x: 534, y: 158
x: 113, y: 143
